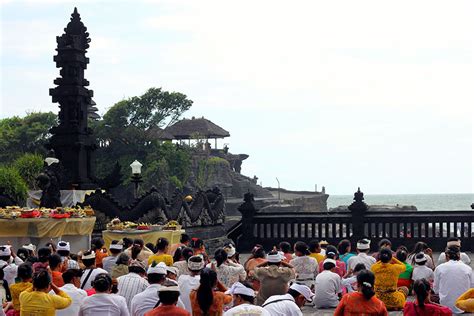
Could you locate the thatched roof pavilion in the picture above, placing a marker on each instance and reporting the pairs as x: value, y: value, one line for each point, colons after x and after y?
x: 159, y: 133
x: 196, y: 127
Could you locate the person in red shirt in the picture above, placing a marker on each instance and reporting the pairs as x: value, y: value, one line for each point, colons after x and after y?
x: 168, y: 295
x: 56, y: 266
x: 423, y: 305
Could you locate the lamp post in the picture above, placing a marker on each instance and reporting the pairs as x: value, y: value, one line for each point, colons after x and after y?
x: 136, y: 175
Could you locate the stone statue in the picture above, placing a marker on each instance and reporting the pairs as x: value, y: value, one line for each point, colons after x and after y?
x: 49, y: 182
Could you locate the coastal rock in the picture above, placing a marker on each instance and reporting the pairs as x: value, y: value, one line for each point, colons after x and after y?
x: 378, y: 208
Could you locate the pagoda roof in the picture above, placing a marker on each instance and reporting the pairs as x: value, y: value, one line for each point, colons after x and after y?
x: 190, y: 128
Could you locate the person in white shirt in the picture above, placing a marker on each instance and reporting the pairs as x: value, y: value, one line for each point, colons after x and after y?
x: 63, y: 249
x: 187, y: 283
x: 148, y: 299
x: 327, y: 286
x: 363, y: 248
x: 290, y: 303
x: 228, y: 272
x: 103, y: 303
x: 454, y: 241
x: 132, y: 283
x: 350, y: 282
x: 88, y: 259
x: 306, y: 267
x: 72, y: 281
x: 109, y: 262
x: 243, y: 297
x: 421, y: 271
x: 9, y: 268
x: 452, y: 279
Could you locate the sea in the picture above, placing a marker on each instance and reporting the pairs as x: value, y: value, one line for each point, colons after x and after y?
x: 423, y: 202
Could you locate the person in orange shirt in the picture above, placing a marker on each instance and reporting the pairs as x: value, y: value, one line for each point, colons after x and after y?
x: 56, y: 266
x: 97, y: 245
x: 183, y: 242
x: 205, y: 300
x: 285, y: 247
x: 168, y: 295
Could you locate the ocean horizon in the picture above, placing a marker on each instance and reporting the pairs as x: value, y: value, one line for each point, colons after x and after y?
x: 423, y: 202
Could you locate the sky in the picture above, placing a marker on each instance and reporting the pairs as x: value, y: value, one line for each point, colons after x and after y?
x: 340, y: 94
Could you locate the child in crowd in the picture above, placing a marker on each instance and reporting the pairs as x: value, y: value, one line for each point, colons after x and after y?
x: 404, y: 279
x: 421, y: 271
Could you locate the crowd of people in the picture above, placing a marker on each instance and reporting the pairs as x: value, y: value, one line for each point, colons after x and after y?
x: 133, y: 278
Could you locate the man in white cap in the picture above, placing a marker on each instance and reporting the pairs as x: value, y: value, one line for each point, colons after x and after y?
x: 454, y: 241
x: 134, y: 282
x: 243, y: 297
x: 109, y: 262
x: 327, y: 286
x: 9, y: 268
x: 168, y: 296
x: 187, y: 283
x: 148, y: 299
x: 274, y: 275
x: 363, y: 248
x: 64, y: 250
x: 290, y: 303
x: 88, y: 259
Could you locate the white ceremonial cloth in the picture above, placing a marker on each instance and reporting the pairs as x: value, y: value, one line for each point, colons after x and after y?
x: 104, y: 305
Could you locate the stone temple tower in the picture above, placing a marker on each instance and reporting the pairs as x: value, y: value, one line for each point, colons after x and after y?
x: 72, y: 139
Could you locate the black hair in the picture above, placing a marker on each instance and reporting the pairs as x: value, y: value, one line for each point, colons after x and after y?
x: 63, y: 253
x: 115, y: 251
x: 419, y: 247
x: 328, y: 265
x: 178, y: 254
x: 88, y: 262
x: 127, y: 242
x: 259, y: 252
x: 43, y: 254
x: 23, y: 253
x: 161, y: 244
x: 247, y: 298
x: 385, y: 255
x: 123, y: 258
x: 365, y: 280
x: 205, y: 294
x: 102, y: 282
x: 453, y: 253
x: 70, y: 274
x: 343, y: 246
x: 184, y: 238
x: 52, y: 245
x: 294, y: 293
x: 196, y: 243
x: 168, y: 297
x: 97, y: 243
x: 359, y: 267
x: 25, y: 271
x: 41, y: 280
x: 422, y: 288
x: 401, y: 255
x: 150, y: 246
x: 136, y: 269
x: 364, y: 242
x: 139, y: 241
x: 155, y: 278
x: 54, y: 261
x: 302, y: 247
x: 8, y: 295
x: 285, y: 246
x: 453, y: 239
x: 419, y: 256
x: 136, y: 251
x: 313, y: 245
x: 384, y: 242
x: 187, y: 253
x: 221, y: 256
x: 331, y: 252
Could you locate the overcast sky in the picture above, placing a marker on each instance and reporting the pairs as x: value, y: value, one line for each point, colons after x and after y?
x: 343, y: 94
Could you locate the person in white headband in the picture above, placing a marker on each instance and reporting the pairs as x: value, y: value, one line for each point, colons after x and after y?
x: 187, y: 283
x: 63, y: 248
x: 243, y: 297
x: 115, y: 250
x: 289, y: 303
x: 9, y: 268
x: 454, y: 241
x: 274, y: 275
x: 328, y: 286
x: 421, y: 270
x: 363, y: 248
x: 91, y: 271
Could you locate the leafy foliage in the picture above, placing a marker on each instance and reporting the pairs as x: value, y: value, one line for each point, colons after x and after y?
x: 13, y: 183
x: 29, y: 167
x: 25, y: 135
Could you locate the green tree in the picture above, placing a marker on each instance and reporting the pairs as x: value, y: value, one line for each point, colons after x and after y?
x: 25, y: 135
x: 13, y: 184
x: 29, y: 167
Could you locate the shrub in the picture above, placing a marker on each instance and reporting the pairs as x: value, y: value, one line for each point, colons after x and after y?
x: 13, y: 184
x: 29, y: 166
